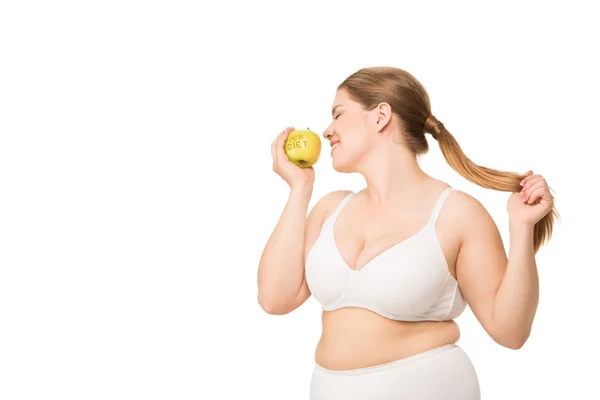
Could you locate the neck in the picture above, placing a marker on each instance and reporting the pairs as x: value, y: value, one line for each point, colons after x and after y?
x: 393, y: 174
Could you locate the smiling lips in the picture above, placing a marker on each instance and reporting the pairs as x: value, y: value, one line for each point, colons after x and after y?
x: 334, y: 144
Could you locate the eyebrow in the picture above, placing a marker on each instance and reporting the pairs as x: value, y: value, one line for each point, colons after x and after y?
x: 333, y: 110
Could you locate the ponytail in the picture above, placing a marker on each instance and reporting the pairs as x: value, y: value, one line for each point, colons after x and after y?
x: 486, y: 177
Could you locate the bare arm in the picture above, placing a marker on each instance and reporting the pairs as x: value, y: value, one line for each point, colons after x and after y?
x: 502, y: 291
x: 517, y: 298
x: 282, y: 283
x: 280, y: 270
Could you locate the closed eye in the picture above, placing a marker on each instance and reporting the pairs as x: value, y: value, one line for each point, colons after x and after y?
x: 337, y: 116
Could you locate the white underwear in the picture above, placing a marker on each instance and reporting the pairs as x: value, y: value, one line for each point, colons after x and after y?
x: 445, y: 372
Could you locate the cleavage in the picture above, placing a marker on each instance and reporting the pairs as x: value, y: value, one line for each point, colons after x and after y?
x: 377, y: 246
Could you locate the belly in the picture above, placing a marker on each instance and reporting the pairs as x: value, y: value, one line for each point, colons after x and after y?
x: 356, y: 338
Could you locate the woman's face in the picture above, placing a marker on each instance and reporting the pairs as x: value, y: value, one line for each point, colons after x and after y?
x: 350, y: 133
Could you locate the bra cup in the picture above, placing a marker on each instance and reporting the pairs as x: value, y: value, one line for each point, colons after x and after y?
x: 404, y: 281
x: 326, y: 279
x: 409, y: 281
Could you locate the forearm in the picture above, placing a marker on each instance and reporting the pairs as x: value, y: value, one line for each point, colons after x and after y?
x: 281, y: 267
x: 517, y: 297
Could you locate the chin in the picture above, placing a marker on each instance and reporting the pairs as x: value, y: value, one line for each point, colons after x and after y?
x: 341, y: 166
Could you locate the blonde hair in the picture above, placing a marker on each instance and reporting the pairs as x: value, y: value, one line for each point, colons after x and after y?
x: 410, y: 101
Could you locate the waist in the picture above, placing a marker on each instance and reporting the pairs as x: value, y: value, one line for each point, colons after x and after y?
x: 358, y: 338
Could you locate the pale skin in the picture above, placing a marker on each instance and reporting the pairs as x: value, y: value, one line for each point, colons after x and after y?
x: 502, y: 291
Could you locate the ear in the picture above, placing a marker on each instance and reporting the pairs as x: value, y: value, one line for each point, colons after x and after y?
x: 382, y: 115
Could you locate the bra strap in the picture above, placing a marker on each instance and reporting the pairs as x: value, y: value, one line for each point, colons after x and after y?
x: 348, y: 196
x: 438, y: 205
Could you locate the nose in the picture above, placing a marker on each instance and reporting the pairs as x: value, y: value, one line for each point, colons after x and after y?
x: 328, y: 133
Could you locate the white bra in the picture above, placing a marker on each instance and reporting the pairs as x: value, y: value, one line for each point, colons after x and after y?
x: 409, y: 281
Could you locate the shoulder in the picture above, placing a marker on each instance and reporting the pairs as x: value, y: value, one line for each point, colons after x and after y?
x: 335, y: 196
x: 332, y: 199
x: 469, y: 214
x: 463, y: 204
x: 325, y: 206
x: 321, y: 211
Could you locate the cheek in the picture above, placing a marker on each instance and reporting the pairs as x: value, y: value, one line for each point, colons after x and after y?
x: 348, y: 152
x: 355, y: 143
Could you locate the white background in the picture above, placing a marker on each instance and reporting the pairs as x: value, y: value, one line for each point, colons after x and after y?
x: 136, y: 190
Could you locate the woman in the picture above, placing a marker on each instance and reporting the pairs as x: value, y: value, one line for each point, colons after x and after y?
x: 395, y: 263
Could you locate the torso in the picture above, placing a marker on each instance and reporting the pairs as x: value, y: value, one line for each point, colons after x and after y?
x: 355, y: 337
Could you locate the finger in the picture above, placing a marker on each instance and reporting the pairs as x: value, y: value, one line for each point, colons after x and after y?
x: 283, y: 135
x: 532, y: 187
x: 536, y: 194
x: 278, y: 141
x: 532, y: 181
x: 273, y: 148
x: 287, y: 131
x: 284, y: 132
x: 280, y: 146
x: 528, y: 175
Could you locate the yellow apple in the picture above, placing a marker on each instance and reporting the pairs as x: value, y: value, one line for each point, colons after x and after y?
x: 303, y: 147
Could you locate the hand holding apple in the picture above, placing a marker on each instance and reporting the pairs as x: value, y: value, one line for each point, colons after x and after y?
x: 305, y: 154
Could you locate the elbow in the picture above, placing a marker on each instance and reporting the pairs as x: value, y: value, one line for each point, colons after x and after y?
x: 513, y: 341
x: 271, y: 307
x: 519, y: 342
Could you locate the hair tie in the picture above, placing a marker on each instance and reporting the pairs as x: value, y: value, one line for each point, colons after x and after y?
x: 434, y: 127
